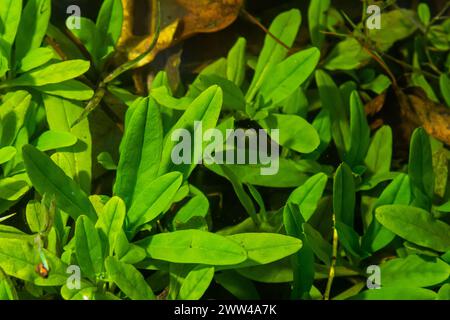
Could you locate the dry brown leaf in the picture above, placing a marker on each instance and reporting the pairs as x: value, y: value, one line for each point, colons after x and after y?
x: 180, y: 19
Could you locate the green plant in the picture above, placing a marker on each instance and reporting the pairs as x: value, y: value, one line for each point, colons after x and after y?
x: 337, y: 205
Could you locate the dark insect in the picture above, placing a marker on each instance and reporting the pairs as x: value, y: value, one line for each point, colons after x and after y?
x: 42, y: 270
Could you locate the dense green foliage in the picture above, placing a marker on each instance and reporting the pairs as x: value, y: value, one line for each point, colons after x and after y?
x: 341, y: 204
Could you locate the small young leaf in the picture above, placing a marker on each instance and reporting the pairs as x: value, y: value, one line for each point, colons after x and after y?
x: 51, y: 140
x: 344, y: 195
x: 88, y: 247
x: 111, y: 220
x: 236, y: 62
x: 196, y: 283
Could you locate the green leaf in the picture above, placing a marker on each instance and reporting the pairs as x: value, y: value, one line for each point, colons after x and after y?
x: 106, y: 160
x: 348, y: 54
x: 152, y: 200
x: 379, y: 155
x: 264, y: 248
x: 331, y: 100
x: 423, y: 10
x: 88, y: 247
x: 444, y: 85
x: 111, y: 220
x: 445, y: 207
x: 196, y: 207
x: 19, y: 258
x: 35, y: 58
x: 237, y: 285
x: 414, y: 271
x: 10, y: 13
x: 196, y: 283
x: 12, y: 114
x: 36, y: 216
x: 308, y: 195
x: 288, y: 75
x: 284, y: 27
x: 420, y: 169
x: 6, y: 154
x: 344, y: 195
x: 88, y: 35
x: 397, y: 192
x: 128, y: 279
x: 349, y: 239
x: 295, y: 132
x: 33, y: 26
x: 415, y: 225
x: 317, y: 17
x: 396, y: 293
x: 48, y: 178
x: 7, y: 289
x: 109, y: 26
x: 51, y: 140
x: 12, y: 188
x: 194, y: 246
x: 61, y: 114
x: 53, y: 73
x: 140, y: 150
x: 359, y: 130
x: 69, y: 89
x: 206, y: 109
x: 444, y: 292
x: 236, y: 62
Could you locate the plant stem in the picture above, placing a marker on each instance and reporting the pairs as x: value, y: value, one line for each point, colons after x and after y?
x: 331, y: 273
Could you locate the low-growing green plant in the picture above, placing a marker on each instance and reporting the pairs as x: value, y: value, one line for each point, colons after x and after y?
x: 340, y: 208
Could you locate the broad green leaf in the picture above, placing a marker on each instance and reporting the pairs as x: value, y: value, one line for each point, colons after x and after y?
x: 51, y: 140
x: 294, y: 132
x: 236, y: 62
x: 53, y: 73
x: 237, y: 285
x: 48, y: 178
x: 140, y: 151
x: 317, y: 20
x: 379, y: 155
x: 129, y: 280
x: 194, y: 246
x: 264, y: 248
x: 6, y: 154
x: 414, y: 271
x: 284, y: 27
x: 396, y: 293
x: 344, y: 195
x: 111, y: 220
x: 35, y: 58
x: 152, y: 200
x: 88, y: 247
x: 109, y: 26
x: 359, y: 130
x: 205, y: 109
x: 19, y: 258
x: 308, y: 195
x: 415, y: 225
x: 61, y: 114
x: 164, y: 98
x: 69, y: 89
x: 444, y: 292
x: 396, y: 25
x: 349, y: 239
x: 288, y: 75
x: 196, y: 207
x: 33, y: 26
x: 10, y: 12
x: 331, y: 100
x: 36, y: 216
x: 397, y: 192
x: 12, y: 188
x: 196, y: 283
x: 321, y: 248
x: 276, y: 272
x: 420, y: 169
